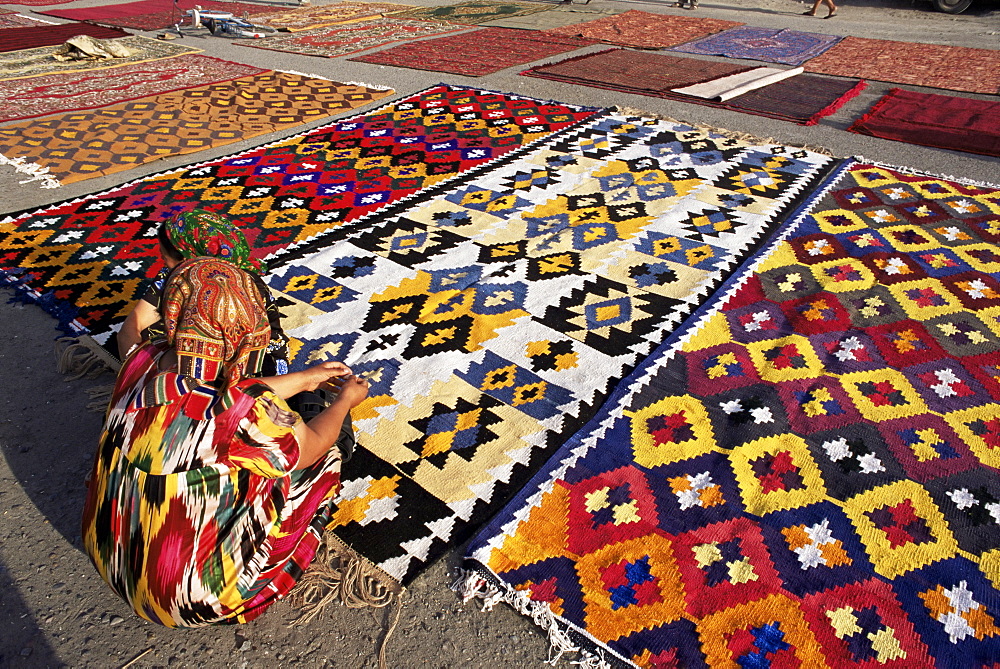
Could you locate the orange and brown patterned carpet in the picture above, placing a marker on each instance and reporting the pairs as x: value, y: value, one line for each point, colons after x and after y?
x: 87, y: 144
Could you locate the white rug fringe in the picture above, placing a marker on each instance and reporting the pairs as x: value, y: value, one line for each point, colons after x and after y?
x: 472, y: 585
x: 37, y: 172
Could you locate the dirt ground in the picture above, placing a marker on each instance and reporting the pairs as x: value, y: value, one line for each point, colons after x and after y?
x: 55, y: 611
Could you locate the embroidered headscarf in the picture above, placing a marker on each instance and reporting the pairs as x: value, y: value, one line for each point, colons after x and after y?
x: 215, y: 318
x: 198, y: 233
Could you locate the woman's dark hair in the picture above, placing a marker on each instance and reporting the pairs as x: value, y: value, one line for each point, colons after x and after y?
x: 168, y: 246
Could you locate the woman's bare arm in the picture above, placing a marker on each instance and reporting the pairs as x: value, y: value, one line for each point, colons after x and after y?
x: 320, y: 434
x: 311, y: 378
x: 143, y: 315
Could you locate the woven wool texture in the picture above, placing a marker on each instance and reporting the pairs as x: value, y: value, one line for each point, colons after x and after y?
x: 86, y: 144
x: 477, y: 53
x: 645, y: 30
x: 931, y: 65
x: 805, y: 474
x: 38, y: 61
x: 789, y: 47
x: 943, y: 121
x: 310, y: 18
x: 342, y: 40
x: 494, y: 316
x: 86, y: 260
x: 38, y: 96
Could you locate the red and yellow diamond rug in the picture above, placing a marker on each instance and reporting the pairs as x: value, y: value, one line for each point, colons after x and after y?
x: 86, y: 259
x: 494, y: 315
x: 806, y: 473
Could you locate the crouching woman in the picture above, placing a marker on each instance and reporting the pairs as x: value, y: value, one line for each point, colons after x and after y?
x: 209, y: 495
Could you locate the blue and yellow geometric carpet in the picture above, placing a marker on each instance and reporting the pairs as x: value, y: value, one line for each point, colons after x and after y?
x: 495, y: 316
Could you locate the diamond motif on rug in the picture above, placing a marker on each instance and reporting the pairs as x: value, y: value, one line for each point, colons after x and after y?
x: 821, y: 443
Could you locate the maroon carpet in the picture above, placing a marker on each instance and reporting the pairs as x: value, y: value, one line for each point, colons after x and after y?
x: 476, y: 53
x: 151, y: 14
x: 15, y: 39
x: 928, y: 119
x: 634, y: 72
x: 802, y: 99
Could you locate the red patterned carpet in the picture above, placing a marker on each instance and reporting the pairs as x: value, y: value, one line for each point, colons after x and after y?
x: 477, y: 53
x: 956, y: 68
x: 644, y: 30
x: 151, y: 14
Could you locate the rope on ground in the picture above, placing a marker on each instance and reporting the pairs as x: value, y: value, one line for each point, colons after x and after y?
x: 339, y: 574
x: 80, y: 357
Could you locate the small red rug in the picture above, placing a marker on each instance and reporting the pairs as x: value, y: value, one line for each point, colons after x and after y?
x: 941, y: 121
x: 645, y: 30
x: 956, y: 68
x: 803, y: 99
x: 16, y: 39
x: 477, y: 53
x: 151, y: 14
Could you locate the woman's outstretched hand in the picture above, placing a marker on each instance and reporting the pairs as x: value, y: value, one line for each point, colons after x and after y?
x: 309, y: 379
x: 352, y: 390
x: 323, y: 373
x: 320, y: 434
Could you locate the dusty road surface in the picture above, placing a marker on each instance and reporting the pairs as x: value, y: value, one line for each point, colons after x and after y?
x: 55, y: 611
